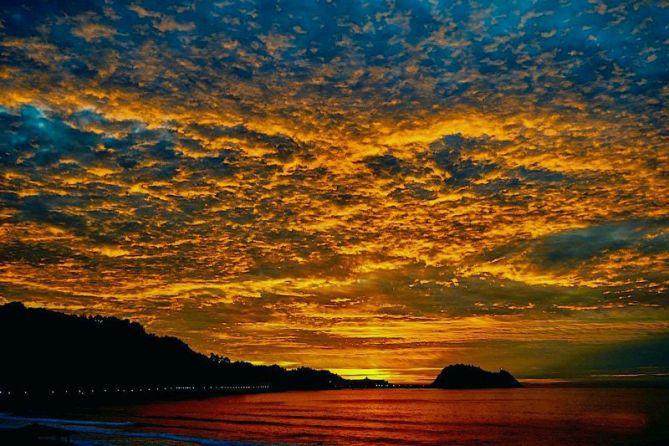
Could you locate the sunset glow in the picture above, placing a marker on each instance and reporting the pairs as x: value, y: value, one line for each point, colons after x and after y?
x: 376, y: 188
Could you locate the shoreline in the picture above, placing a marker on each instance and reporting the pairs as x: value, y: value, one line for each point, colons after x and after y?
x: 111, y: 433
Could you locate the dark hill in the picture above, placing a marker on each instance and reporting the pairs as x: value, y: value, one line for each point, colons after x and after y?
x: 461, y: 376
x: 43, y: 349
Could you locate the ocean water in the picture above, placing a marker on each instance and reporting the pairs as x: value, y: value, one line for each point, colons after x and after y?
x: 542, y: 416
x: 529, y: 416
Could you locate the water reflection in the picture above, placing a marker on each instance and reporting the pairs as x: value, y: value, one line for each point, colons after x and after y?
x: 550, y: 416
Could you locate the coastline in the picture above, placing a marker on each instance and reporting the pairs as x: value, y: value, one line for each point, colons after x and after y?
x: 110, y: 433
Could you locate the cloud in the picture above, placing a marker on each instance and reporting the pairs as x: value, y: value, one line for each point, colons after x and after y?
x: 285, y: 180
x: 639, y: 359
x: 449, y: 156
x: 91, y: 32
x: 578, y: 245
x: 384, y: 165
x: 34, y: 253
x: 37, y: 140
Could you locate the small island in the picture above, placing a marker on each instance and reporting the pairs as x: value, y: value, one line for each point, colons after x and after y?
x: 462, y: 376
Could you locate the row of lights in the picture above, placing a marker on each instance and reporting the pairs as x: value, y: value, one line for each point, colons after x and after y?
x: 149, y: 389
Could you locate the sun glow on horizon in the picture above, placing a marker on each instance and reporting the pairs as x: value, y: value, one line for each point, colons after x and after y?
x: 378, y: 189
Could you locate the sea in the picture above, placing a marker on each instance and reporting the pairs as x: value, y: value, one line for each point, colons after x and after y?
x: 542, y: 416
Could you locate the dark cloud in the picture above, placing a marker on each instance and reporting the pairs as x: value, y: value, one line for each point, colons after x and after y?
x: 34, y: 253
x: 45, y: 209
x: 385, y: 166
x: 578, y: 245
x: 40, y: 141
x: 538, y: 175
x: 641, y: 359
x: 450, y: 154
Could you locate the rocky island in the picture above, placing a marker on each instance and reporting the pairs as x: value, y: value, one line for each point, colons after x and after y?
x: 461, y: 376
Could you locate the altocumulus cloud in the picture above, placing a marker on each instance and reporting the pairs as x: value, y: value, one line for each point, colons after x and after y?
x: 343, y: 182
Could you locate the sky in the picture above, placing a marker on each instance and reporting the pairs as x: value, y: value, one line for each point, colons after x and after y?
x: 379, y: 188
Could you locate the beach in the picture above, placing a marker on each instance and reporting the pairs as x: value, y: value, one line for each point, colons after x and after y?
x: 101, y: 433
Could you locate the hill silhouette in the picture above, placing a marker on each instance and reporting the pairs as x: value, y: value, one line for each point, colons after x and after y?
x: 461, y: 376
x: 46, y: 351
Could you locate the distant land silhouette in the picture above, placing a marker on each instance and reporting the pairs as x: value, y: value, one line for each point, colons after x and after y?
x: 461, y: 376
x: 47, y: 355
x: 50, y: 353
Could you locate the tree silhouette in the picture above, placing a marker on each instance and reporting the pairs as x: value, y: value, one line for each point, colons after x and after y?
x: 49, y: 353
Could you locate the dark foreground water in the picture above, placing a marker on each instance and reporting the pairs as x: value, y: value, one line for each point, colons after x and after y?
x: 530, y: 416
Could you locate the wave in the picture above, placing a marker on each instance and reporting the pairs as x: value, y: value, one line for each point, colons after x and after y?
x: 310, y: 428
x: 61, y: 421
x: 106, y: 428
x: 292, y: 420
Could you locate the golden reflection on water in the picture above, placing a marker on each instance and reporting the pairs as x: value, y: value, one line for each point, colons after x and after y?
x: 550, y: 416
